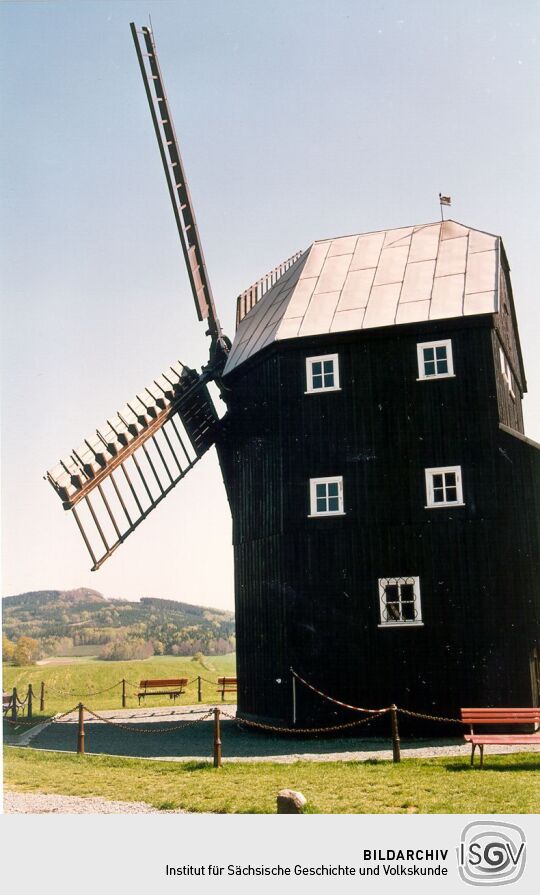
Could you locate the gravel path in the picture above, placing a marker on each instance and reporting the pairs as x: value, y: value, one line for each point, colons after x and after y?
x: 155, y: 734
x: 40, y: 803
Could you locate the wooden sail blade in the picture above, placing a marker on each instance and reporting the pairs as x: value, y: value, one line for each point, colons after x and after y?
x: 114, y: 479
x: 175, y: 175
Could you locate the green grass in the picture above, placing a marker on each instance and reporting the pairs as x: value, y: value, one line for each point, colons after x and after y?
x: 81, y: 677
x: 508, y: 784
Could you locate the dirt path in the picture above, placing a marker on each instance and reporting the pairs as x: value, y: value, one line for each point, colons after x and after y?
x: 41, y: 803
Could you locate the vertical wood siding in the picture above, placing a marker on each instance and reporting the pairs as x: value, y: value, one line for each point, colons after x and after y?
x: 307, y: 589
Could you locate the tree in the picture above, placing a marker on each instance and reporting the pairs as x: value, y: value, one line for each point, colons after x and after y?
x: 8, y: 649
x: 26, y: 651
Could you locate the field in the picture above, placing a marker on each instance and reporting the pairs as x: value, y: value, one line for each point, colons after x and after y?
x: 67, y: 684
x: 509, y: 783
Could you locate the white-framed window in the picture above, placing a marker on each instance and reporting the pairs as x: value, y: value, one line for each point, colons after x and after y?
x: 435, y: 359
x: 507, y: 373
x: 322, y: 373
x: 326, y: 496
x: 400, y: 602
x: 444, y: 486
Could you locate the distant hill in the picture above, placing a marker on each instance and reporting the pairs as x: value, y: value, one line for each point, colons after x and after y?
x: 71, y: 621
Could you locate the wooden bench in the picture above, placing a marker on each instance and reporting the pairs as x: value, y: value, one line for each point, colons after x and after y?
x: 500, y: 717
x: 171, y: 687
x: 227, y: 685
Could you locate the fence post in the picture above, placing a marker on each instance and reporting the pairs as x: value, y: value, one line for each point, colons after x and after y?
x: 217, y: 739
x: 395, y: 734
x: 42, y: 697
x: 30, y: 698
x: 123, y: 693
x: 80, y: 732
x: 14, y: 698
x: 199, y: 689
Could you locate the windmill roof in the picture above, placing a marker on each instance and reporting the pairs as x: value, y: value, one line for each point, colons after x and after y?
x: 385, y: 278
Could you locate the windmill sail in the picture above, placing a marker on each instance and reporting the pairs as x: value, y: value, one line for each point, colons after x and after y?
x: 119, y: 475
x: 176, y: 179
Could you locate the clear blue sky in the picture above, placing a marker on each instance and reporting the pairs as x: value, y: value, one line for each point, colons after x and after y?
x: 297, y: 121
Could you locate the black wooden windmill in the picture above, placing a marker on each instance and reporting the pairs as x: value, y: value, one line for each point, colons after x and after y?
x: 374, y: 459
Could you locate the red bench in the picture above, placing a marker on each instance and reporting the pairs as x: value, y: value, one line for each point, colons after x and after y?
x: 227, y: 685
x: 500, y: 717
x: 174, y: 687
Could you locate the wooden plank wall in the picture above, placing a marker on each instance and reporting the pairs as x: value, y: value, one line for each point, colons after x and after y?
x: 306, y: 589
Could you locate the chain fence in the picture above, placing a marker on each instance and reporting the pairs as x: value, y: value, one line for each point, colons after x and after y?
x: 218, y: 714
x: 12, y: 703
x: 426, y: 717
x: 258, y: 725
x: 52, y: 719
x: 345, y: 705
x: 81, y: 693
x: 133, y: 729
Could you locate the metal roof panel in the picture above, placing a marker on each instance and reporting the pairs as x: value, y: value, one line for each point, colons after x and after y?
x: 418, y: 281
x: 333, y: 274
x: 425, y: 243
x: 385, y: 278
x: 447, y: 297
x: 368, y: 250
x: 381, y: 310
x: 318, y: 317
x: 451, y: 257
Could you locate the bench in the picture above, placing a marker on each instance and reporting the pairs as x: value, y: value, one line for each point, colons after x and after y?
x: 6, y: 701
x: 227, y: 685
x: 500, y: 717
x: 171, y: 687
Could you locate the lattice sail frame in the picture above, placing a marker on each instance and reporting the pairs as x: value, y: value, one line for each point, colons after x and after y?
x: 133, y: 462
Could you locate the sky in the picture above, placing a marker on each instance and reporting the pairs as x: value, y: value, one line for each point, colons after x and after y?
x: 297, y: 121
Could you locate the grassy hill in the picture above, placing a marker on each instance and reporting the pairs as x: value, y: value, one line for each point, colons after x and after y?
x: 83, y: 622
x: 98, y: 683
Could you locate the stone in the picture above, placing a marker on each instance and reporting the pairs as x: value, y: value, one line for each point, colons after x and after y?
x: 290, y: 802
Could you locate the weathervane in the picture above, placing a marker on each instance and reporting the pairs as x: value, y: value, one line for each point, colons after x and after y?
x: 444, y: 200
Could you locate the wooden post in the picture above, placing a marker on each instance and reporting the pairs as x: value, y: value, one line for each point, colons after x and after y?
x: 30, y: 699
x: 80, y: 732
x: 395, y: 734
x: 217, y: 739
x: 42, y: 697
x: 14, y: 698
x: 199, y: 689
x: 123, y: 693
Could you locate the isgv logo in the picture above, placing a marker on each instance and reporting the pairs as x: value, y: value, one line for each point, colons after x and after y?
x: 491, y: 853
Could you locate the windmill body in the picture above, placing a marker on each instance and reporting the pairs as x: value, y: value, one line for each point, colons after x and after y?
x: 417, y: 582
x: 384, y: 497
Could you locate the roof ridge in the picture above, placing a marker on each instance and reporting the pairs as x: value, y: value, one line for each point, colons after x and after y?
x: 405, y: 227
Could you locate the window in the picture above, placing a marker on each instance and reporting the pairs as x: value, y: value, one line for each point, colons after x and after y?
x: 322, y: 373
x: 400, y: 601
x: 444, y: 487
x: 326, y: 496
x: 507, y: 373
x: 435, y: 360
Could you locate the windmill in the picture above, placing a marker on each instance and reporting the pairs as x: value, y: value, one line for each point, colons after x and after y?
x: 373, y: 394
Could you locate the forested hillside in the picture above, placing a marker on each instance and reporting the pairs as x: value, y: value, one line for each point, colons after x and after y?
x: 83, y: 621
